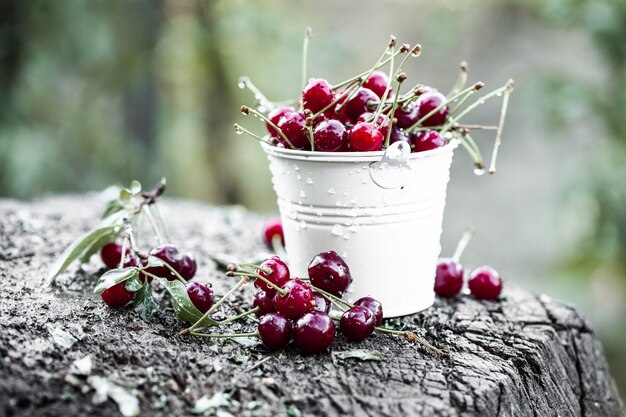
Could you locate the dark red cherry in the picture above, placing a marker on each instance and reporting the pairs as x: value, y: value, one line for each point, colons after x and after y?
x: 200, y: 295
x: 364, y: 137
x: 330, y: 136
x: 485, y: 283
x: 111, y: 254
x: 168, y: 254
x: 297, y: 301
x: 428, y: 102
x: 274, y: 270
x: 187, y: 267
x: 314, y: 332
x: 448, y: 278
x: 398, y: 135
x: 364, y: 100
x: 407, y: 116
x: 378, y: 82
x: 293, y: 126
x: 374, y: 306
x: 117, y: 295
x: 427, y: 140
x: 274, y: 331
x: 317, y: 94
x: 382, y: 123
x: 322, y: 303
x: 275, y: 115
x: 329, y: 272
x: 273, y: 227
x: 265, y: 303
x: 357, y: 323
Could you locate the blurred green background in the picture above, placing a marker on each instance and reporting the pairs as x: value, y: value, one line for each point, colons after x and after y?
x: 99, y: 92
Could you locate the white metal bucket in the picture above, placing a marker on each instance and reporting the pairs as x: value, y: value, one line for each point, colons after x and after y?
x: 388, y: 235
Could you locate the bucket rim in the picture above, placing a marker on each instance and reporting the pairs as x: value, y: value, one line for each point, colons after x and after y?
x: 349, y: 156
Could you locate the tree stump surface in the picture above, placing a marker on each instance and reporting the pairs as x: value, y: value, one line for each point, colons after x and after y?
x: 527, y: 355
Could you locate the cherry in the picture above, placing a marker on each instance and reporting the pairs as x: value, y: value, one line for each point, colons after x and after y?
x: 278, y: 274
x: 321, y: 303
x: 293, y: 126
x: 427, y: 140
x: 363, y: 100
x: 377, y: 82
x: 330, y: 136
x: 485, y: 283
x: 273, y: 227
x: 297, y: 301
x: 274, y: 116
x: 407, y: 116
x: 187, y: 267
x: 398, y: 135
x: 317, y: 94
x: 428, y: 102
x: 382, y: 123
x: 265, y: 303
x: 448, y: 278
x: 111, y: 254
x: 274, y: 331
x: 329, y: 272
x: 374, y: 306
x: 200, y: 295
x: 365, y: 137
x: 117, y: 295
x: 357, y: 323
x: 314, y: 332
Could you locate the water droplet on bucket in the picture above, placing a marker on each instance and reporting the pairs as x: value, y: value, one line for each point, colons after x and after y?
x: 337, y: 230
x: 296, y: 167
x: 331, y: 190
x: 302, y: 194
x: 347, y: 236
x: 309, y: 180
x: 353, y: 201
x: 299, y: 177
x: 391, y: 171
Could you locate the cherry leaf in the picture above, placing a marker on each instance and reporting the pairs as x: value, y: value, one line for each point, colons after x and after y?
x: 113, y: 277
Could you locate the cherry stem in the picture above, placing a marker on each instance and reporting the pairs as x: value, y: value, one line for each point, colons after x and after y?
x: 245, y: 272
x: 124, y: 247
x: 411, y: 337
x: 308, y: 33
x: 244, y: 280
x: 239, y: 316
x: 471, y: 148
x: 461, y: 103
x: 442, y: 105
x: 157, y: 233
x: 335, y: 101
x: 279, y: 249
x: 157, y: 208
x: 309, y: 129
x: 333, y: 298
x: 496, y: 145
x: 269, y: 122
x: 174, y: 271
x: 367, y: 73
x: 391, y: 114
x: 240, y: 129
x: 460, y: 247
x: 258, y: 95
x: 224, y: 335
x: 255, y: 266
x: 388, y: 88
x: 461, y: 79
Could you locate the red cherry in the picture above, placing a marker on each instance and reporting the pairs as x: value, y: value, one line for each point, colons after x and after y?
x: 317, y: 94
x: 329, y: 272
x: 322, y: 303
x: 265, y: 303
x: 168, y: 254
x: 427, y: 140
x: 398, y: 135
x: 364, y: 137
x: 274, y: 116
x: 448, y: 278
x: 314, y: 332
x: 485, y: 283
x: 293, y: 126
x: 428, y: 102
x: 273, y: 227
x: 330, y: 136
x: 364, y: 100
x: 357, y: 323
x: 297, y: 301
x: 407, y: 116
x: 278, y: 274
x: 187, y: 267
x: 378, y: 82
x: 374, y: 306
x: 117, y: 295
x: 274, y: 331
x: 200, y: 295
x: 382, y: 123
x: 111, y: 254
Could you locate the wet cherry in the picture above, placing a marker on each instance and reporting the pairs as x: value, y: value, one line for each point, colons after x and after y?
x: 427, y: 140
x: 428, y: 102
x: 374, y: 306
x: 321, y: 303
x: 297, y: 301
x: 274, y: 331
x: 329, y: 272
x: 111, y: 254
x: 398, y: 135
x: 265, y: 303
x: 448, y: 278
x: 200, y: 295
x: 314, y: 332
x: 407, y: 116
x: 382, y: 123
x: 275, y: 115
x: 117, y: 295
x: 293, y: 126
x: 187, y: 267
x: 364, y: 137
x: 274, y: 270
x: 363, y: 100
x: 485, y: 283
x: 168, y: 254
x: 357, y: 323
x: 330, y: 136
x: 377, y: 82
x: 317, y: 94
x: 273, y: 227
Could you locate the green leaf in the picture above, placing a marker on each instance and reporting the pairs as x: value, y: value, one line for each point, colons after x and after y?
x: 184, y: 308
x: 95, y: 246
x: 114, y: 276
x: 125, y: 194
x: 154, y: 261
x: 133, y: 284
x: 360, y: 354
x: 76, y: 249
x: 113, y: 207
x: 144, y: 303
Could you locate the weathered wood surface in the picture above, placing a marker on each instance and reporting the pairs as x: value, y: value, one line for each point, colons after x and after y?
x: 525, y: 356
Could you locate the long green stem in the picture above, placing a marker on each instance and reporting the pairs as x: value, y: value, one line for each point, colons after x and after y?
x: 157, y: 208
x: 157, y: 232
x: 368, y: 72
x: 240, y: 129
x: 224, y: 335
x: 331, y: 296
x: 391, y: 115
x: 242, y: 282
x: 246, y: 110
x: 239, y: 316
x: 246, y: 82
x: 308, y: 33
x: 444, y: 104
x: 124, y: 247
x: 461, y: 79
x: 496, y: 145
x: 279, y: 249
x: 411, y: 337
x: 460, y: 247
x: 246, y: 273
x: 461, y: 103
x: 388, y: 88
x: 337, y: 99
